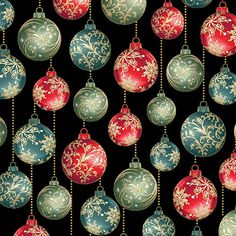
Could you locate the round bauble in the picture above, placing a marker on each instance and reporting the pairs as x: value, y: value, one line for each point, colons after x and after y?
x: 196, y: 3
x: 90, y: 49
x: 84, y: 161
x: 185, y: 72
x: 3, y: 131
x: 100, y: 214
x: 90, y: 103
x: 228, y: 224
x: 167, y: 22
x: 125, y: 128
x: 7, y: 14
x: 39, y: 38
x: 203, y: 133
x: 124, y: 12
x: 135, y: 188
x: 16, y: 188
x: 34, y: 143
x: 195, y: 196
x: 235, y: 131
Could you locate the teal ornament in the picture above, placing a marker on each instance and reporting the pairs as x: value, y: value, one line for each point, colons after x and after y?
x: 222, y: 86
x: 34, y: 143
x: 161, y: 110
x: 196, y: 231
x: 16, y: 188
x: 135, y: 188
x: 203, y: 133
x: 100, y: 214
x: 3, y: 131
x: 12, y: 74
x: 54, y: 201
x: 123, y: 12
x: 197, y: 3
x: 164, y: 155
x: 185, y: 72
x: 158, y: 225
x: 228, y: 224
x: 90, y: 49
x: 90, y: 103
x: 7, y: 14
x: 39, y: 38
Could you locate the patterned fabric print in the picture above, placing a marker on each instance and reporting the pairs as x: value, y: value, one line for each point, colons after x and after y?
x: 3, y: 131
x: 7, y: 14
x: 197, y: 3
x: 228, y: 224
x: 31, y: 230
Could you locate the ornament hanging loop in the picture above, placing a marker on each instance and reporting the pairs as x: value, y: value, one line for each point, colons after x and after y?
x: 123, y: 234
x: 135, y: 160
x: 51, y: 69
x: 195, y: 167
x: 12, y: 164
x: 136, y: 39
x: 31, y: 217
x: 39, y: 10
x: 222, y: 4
x: 100, y: 188
x: 90, y: 22
x: 3, y: 46
x: 83, y: 131
x: 196, y: 231
x: 34, y: 116
x: 185, y: 46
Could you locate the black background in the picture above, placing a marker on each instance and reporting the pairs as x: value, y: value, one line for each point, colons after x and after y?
x: 68, y: 124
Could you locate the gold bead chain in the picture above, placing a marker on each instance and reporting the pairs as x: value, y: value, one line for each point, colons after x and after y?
x: 158, y: 188
x: 123, y: 220
x: 34, y: 108
x: 225, y: 60
x: 197, y: 222
x: 136, y: 29
x: 71, y: 210
x: 135, y: 150
x: 195, y: 160
x: 40, y: 3
x: 83, y: 125
x: 54, y: 132
x: 125, y: 97
x: 50, y: 62
x: 3, y: 37
x: 90, y: 75
x: 100, y: 182
x: 13, y: 126
x: 90, y: 10
x: 185, y: 24
x: 161, y: 64
x: 165, y: 129
x: 32, y: 197
x: 222, y: 200
x: 203, y: 81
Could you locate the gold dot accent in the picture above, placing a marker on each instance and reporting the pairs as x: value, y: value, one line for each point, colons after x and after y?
x: 203, y: 82
x: 158, y: 188
x: 185, y: 24
x: 54, y: 154
x: 125, y: 97
x: 136, y: 29
x: 32, y: 196
x: 13, y: 127
x: 71, y: 210
x: 161, y: 64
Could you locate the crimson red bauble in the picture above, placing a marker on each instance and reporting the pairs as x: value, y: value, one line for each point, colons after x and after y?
x: 167, y: 22
x: 135, y: 69
x: 125, y: 128
x: 84, y: 161
x: 195, y: 196
x: 218, y: 32
x: 51, y: 92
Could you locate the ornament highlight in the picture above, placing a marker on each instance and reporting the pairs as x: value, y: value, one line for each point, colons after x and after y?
x: 197, y: 3
x: 228, y: 224
x: 3, y: 131
x: 7, y: 14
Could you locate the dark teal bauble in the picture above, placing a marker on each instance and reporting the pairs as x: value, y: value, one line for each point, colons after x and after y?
x: 3, y: 131
x: 203, y: 133
x: 90, y: 49
x: 158, y: 225
x: 185, y: 72
x: 7, y: 14
x: 196, y: 3
x: 12, y: 74
x: 100, y: 214
x: 161, y: 110
x: 165, y: 155
x: 54, y: 201
x: 222, y: 86
x: 135, y: 188
x: 228, y: 224
x: 39, y: 38
x: 34, y: 143
x: 123, y: 12
x: 16, y: 188
x: 90, y: 103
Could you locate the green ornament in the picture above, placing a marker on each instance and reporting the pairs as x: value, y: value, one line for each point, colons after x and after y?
x: 161, y: 110
x: 135, y: 188
x: 185, y: 72
x: 39, y: 38
x: 3, y: 131
x: 228, y: 224
x: 90, y: 103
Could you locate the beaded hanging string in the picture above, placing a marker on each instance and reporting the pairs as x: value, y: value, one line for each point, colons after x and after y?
x: 54, y: 154
x: 185, y: 24
x: 32, y: 196
x: 40, y: 3
x: 3, y: 37
x: 71, y: 210
x: 13, y: 127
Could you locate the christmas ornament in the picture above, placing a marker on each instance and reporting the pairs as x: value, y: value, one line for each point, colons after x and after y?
x: 54, y: 201
x: 196, y: 231
x: 34, y: 143
x: 167, y: 21
x: 218, y: 32
x: 195, y: 196
x: 227, y: 172
x: 135, y: 188
x: 16, y: 188
x: 71, y: 9
x: 100, y: 214
x: 135, y: 69
x: 203, y: 133
x: 158, y: 224
x: 3, y: 131
x: 185, y: 72
x: 235, y: 131
x: 228, y: 224
x: 196, y: 3
x: 165, y: 155
x: 90, y: 103
x: 125, y: 128
x: 161, y: 110
x: 12, y: 74
x: 84, y: 161
x: 222, y: 86
x: 124, y: 12
x: 90, y: 49
x: 7, y: 14
x: 31, y: 228
x: 51, y: 92
x: 39, y: 38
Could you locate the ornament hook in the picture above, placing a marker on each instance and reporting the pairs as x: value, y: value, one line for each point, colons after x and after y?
x: 34, y: 116
x: 12, y: 164
x: 90, y: 22
x: 100, y: 188
x: 31, y: 217
x: 135, y: 160
x: 123, y: 234
x: 83, y: 131
x: 223, y: 4
x: 135, y: 40
x: 185, y: 46
x: 195, y: 167
x: 3, y: 46
x: 39, y: 10
x: 203, y: 104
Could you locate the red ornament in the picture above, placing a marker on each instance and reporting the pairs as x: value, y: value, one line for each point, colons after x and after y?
x: 31, y: 228
x: 51, y: 92
x: 218, y: 32
x: 125, y: 128
x: 84, y: 161
x: 71, y: 9
x: 135, y: 69
x: 195, y: 196
x: 227, y: 172
x: 167, y: 22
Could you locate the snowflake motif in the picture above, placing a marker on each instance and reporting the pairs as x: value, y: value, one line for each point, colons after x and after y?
x: 48, y: 144
x: 36, y: 230
x: 130, y: 139
x: 128, y: 84
x: 150, y: 70
x: 175, y: 156
x: 27, y: 156
x: 57, y: 84
x: 114, y: 129
x: 228, y: 167
x: 161, y: 166
x: 230, y: 184
x: 130, y: 121
x: 57, y: 103
x: 181, y: 198
x: 10, y: 91
x: 93, y: 228
x: 233, y: 34
x: 215, y: 48
x: 233, y: 88
x: 202, y: 211
x: 39, y: 93
x: 113, y: 216
x: 8, y: 14
x: 220, y: 98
